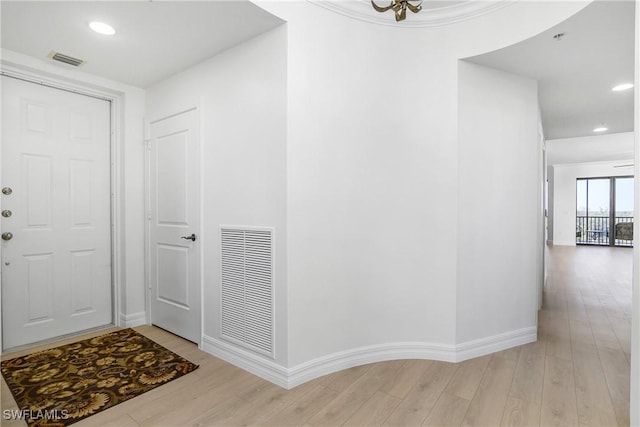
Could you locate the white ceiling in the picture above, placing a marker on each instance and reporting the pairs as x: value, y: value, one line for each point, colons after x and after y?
x: 435, y: 12
x: 576, y: 74
x: 153, y: 41
x: 600, y: 148
x: 157, y: 39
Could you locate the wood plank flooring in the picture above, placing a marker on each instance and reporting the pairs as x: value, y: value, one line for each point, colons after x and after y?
x: 576, y: 374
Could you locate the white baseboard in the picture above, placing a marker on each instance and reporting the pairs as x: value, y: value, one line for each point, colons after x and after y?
x: 256, y: 364
x: 361, y: 356
x: 307, y: 371
x: 563, y: 243
x: 476, y: 348
x: 132, y: 320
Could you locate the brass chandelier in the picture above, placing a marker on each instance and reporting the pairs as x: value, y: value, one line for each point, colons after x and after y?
x: 399, y: 7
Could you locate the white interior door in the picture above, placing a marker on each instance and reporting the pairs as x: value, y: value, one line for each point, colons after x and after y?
x: 174, y: 224
x: 56, y: 212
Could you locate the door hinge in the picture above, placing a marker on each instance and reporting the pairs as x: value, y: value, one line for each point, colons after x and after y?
x: 147, y: 142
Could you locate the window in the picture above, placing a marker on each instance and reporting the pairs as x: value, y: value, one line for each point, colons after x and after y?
x: 604, y: 211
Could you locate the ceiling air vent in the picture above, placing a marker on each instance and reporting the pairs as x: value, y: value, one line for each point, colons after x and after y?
x: 61, y: 57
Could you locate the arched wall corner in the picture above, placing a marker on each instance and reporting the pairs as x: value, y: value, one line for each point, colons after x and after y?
x: 374, y: 270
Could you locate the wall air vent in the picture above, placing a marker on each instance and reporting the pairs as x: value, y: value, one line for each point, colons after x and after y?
x: 61, y: 57
x: 247, y: 287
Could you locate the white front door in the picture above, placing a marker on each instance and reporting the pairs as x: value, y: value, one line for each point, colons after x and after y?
x: 174, y: 224
x: 56, y: 213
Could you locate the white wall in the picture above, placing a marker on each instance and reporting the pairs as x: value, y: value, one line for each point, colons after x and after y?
x: 564, y: 194
x: 586, y: 149
x: 635, y: 321
x: 550, y: 206
x: 131, y: 154
x: 243, y: 95
x: 499, y: 202
x: 373, y: 175
x: 373, y: 183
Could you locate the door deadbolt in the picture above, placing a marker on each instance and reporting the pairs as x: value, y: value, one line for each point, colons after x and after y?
x: 192, y: 237
x: 6, y: 213
x: 6, y: 191
x: 7, y: 236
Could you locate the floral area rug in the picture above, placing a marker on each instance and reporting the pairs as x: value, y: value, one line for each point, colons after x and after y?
x: 62, y: 385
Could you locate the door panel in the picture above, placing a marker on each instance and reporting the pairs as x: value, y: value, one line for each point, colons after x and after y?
x: 173, y: 275
x: 174, y: 270
x: 80, y: 174
x: 56, y: 270
x: 172, y: 191
x: 40, y: 287
x: 38, y: 192
x: 81, y: 276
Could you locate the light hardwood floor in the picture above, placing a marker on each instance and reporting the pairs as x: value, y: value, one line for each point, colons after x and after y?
x: 577, y: 373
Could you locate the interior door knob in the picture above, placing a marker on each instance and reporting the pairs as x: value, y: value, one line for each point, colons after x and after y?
x: 6, y: 191
x: 6, y: 213
x: 7, y: 236
x: 192, y: 237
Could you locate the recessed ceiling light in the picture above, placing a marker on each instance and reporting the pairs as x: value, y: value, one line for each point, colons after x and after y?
x: 102, y: 28
x: 623, y: 86
x: 601, y: 129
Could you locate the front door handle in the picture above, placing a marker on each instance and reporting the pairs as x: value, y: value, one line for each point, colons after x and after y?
x: 192, y: 237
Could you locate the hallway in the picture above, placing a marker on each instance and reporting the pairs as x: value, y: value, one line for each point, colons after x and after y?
x: 586, y: 326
